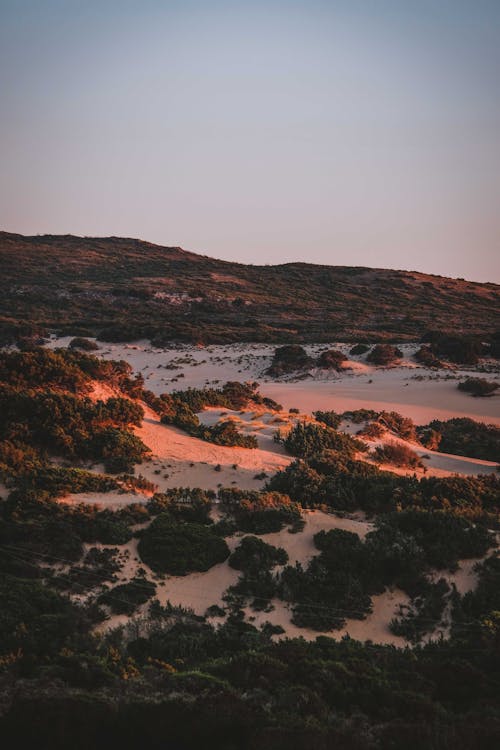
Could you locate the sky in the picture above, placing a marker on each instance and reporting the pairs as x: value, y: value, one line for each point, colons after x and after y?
x: 351, y: 132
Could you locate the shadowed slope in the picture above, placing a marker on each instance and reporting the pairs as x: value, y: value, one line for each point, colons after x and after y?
x: 127, y: 288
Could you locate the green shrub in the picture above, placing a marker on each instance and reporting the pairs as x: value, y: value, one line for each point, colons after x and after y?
x: 168, y: 546
x: 126, y: 597
x: 331, y: 359
x: 397, y: 454
x: 289, y: 358
x: 478, y: 387
x: 306, y: 439
x: 463, y: 437
x: 384, y: 354
x: 84, y: 344
x: 252, y: 555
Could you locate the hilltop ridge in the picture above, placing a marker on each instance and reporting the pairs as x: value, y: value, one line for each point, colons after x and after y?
x: 125, y: 288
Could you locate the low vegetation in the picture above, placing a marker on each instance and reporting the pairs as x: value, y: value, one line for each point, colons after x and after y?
x: 463, y: 437
x: 289, y: 358
x: 306, y: 439
x: 478, y: 387
x: 125, y: 598
x: 259, y: 512
x: 397, y: 454
x: 331, y: 359
x: 125, y: 289
x: 349, y: 484
x: 384, y: 355
x: 178, y: 548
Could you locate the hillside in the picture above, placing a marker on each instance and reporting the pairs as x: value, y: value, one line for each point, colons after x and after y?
x: 125, y: 288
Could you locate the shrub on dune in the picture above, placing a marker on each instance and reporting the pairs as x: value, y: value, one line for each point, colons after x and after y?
x: 168, y: 546
x: 398, y: 454
x: 384, y: 354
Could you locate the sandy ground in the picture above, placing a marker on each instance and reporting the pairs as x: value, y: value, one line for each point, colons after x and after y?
x: 410, y: 389
x: 181, y: 460
x: 190, y: 462
x: 198, y: 591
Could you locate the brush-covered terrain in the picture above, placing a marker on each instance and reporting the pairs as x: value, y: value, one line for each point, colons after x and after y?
x: 125, y: 289
x: 191, y: 561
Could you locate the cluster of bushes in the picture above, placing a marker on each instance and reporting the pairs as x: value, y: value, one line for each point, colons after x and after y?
x: 98, y: 566
x: 252, y: 554
x: 85, y: 345
x: 190, y: 504
x: 222, y: 433
x: 401, y: 426
x: 44, y: 411
x: 232, y: 395
x: 426, y: 357
x: 330, y: 418
x: 307, y: 439
x: 359, y: 349
x: 36, y: 621
x: 48, y: 531
x: 320, y: 694
x: 339, y: 582
x: 174, y: 673
x: 482, y: 605
x: 463, y: 437
x: 350, y: 484
x: 372, y: 431
x: 479, y: 387
x: 360, y: 415
x: 330, y: 589
x: 289, y: 358
x: 73, y: 427
x: 66, y: 369
x: 464, y: 350
x: 292, y: 357
x: 256, y: 559
x: 180, y: 409
x: 259, y: 512
x: 331, y: 359
x: 425, y: 611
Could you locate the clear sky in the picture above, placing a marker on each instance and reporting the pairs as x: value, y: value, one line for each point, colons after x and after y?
x: 358, y: 132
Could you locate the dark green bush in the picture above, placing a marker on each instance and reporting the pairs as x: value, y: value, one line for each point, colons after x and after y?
x: 177, y: 548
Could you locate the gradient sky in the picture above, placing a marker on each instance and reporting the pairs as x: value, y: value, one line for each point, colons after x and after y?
x: 354, y: 132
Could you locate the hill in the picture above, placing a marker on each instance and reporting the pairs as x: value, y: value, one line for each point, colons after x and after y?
x: 123, y: 289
